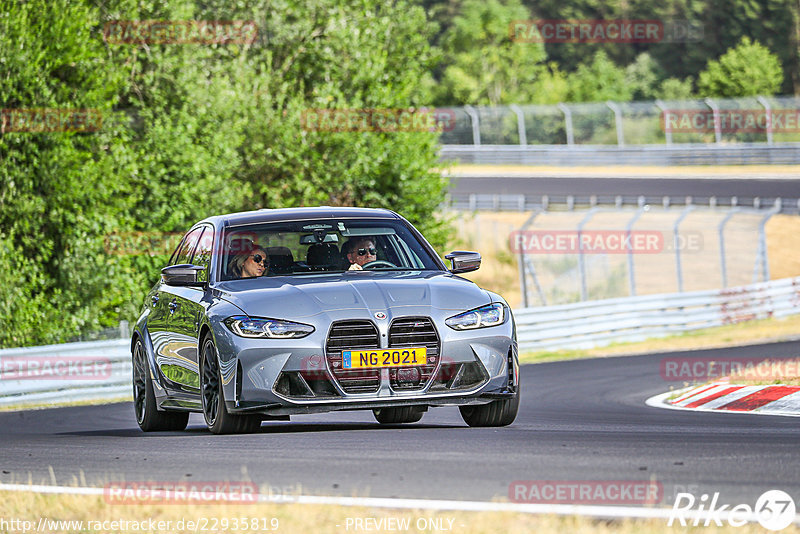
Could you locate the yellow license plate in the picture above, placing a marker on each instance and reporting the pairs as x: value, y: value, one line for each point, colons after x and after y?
x: 370, y: 359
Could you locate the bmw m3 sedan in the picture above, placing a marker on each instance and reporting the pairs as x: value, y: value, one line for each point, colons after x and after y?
x: 266, y: 314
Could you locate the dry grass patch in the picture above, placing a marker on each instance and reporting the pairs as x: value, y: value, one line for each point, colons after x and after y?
x: 295, y: 518
x: 768, y: 372
x: 46, y: 406
x: 783, y: 246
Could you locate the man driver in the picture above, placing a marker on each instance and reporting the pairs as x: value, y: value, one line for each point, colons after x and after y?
x: 359, y: 252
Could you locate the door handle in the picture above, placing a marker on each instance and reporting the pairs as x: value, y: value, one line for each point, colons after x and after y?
x: 154, y: 299
x: 173, y: 306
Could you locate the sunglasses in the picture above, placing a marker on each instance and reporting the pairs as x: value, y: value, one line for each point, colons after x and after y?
x: 258, y: 259
x: 364, y: 251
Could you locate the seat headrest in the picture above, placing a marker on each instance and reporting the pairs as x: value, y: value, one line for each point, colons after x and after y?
x: 323, y: 254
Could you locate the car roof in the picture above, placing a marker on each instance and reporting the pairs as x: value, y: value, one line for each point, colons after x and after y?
x: 295, y: 214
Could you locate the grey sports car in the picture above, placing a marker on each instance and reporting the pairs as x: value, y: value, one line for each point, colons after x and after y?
x: 264, y: 314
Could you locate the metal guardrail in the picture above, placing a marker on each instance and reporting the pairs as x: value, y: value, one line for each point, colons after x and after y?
x: 592, y: 155
x: 581, y: 325
x: 597, y: 323
x: 68, y: 372
x: 533, y: 201
x: 754, y: 130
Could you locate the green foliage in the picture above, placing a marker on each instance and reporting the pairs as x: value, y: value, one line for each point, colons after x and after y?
x: 482, y: 65
x: 599, y: 80
x: 675, y: 89
x: 747, y: 70
x: 190, y: 131
x: 642, y: 77
x: 60, y: 192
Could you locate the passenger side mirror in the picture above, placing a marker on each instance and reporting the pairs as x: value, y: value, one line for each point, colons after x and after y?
x: 464, y: 261
x: 184, y: 275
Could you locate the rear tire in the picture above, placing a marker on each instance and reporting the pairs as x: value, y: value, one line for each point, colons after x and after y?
x: 399, y: 415
x: 496, y: 413
x: 144, y: 398
x: 216, y: 415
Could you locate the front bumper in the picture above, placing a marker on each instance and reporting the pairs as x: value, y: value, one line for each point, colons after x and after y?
x: 284, y: 377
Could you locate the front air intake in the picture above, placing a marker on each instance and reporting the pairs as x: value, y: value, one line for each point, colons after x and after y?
x: 352, y: 335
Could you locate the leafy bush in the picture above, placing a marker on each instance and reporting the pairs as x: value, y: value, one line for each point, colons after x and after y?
x: 747, y: 70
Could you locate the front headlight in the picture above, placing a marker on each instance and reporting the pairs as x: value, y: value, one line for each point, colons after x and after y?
x: 244, y: 326
x: 491, y: 315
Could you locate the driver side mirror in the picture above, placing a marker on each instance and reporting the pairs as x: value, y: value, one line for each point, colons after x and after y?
x: 464, y: 261
x: 184, y: 275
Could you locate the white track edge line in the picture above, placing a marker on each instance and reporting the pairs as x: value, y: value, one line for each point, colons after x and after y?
x: 612, y: 512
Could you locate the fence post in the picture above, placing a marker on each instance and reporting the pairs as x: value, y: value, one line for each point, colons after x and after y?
x: 721, y: 230
x: 628, y: 227
x: 762, y: 258
x: 523, y: 138
x: 523, y: 284
x: 567, y: 123
x: 717, y: 121
x: 667, y: 132
x: 618, y: 121
x: 768, y: 109
x: 476, y: 126
x: 675, y: 233
x: 581, y: 259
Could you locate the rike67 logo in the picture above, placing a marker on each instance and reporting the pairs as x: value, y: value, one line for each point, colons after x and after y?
x: 774, y: 510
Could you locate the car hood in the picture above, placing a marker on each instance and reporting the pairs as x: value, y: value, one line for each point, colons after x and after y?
x: 366, y: 291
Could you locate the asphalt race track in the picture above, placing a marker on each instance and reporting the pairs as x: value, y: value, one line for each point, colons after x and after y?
x: 579, y: 420
x: 672, y: 187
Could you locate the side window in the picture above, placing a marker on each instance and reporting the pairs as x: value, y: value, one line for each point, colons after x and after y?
x: 184, y: 253
x: 202, y: 256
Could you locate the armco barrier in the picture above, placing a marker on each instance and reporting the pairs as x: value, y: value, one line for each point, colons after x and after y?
x: 580, y: 325
x: 594, y: 155
x: 600, y: 322
x: 112, y: 357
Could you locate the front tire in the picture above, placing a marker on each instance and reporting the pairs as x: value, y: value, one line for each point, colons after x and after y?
x: 399, y: 415
x: 144, y: 398
x: 217, y: 418
x: 496, y: 413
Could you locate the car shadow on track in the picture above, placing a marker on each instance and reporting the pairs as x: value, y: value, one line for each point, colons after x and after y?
x: 273, y: 428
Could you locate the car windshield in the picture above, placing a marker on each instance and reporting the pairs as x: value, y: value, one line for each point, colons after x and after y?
x: 327, y: 245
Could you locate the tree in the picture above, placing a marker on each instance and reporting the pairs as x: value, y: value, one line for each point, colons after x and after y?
x: 642, y: 77
x: 60, y: 191
x: 747, y: 70
x: 483, y: 64
x: 599, y: 80
x: 189, y: 131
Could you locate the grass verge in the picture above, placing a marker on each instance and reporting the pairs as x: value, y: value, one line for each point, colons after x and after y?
x: 319, y: 519
x: 762, y: 331
x: 46, y: 406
